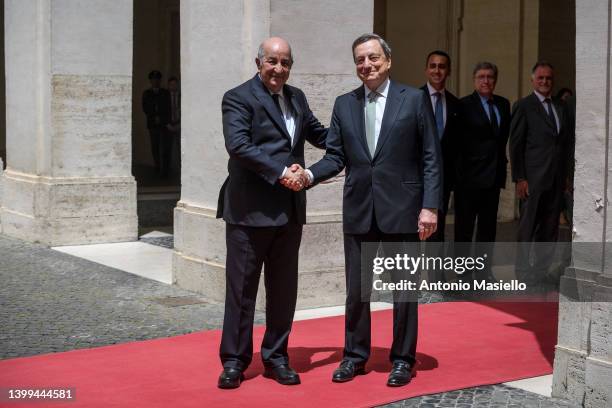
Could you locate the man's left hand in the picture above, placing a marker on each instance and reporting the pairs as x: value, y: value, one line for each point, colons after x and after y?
x: 428, y: 223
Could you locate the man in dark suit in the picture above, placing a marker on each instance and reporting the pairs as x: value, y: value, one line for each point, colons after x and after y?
x: 445, y: 108
x: 156, y: 106
x: 383, y: 134
x: 481, y: 159
x: 265, y: 123
x: 540, y: 140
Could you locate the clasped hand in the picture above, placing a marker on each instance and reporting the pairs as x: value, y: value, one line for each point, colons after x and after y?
x: 295, y: 178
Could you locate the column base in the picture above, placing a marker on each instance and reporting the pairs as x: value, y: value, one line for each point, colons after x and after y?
x: 68, y: 210
x: 199, y: 259
x: 583, y: 362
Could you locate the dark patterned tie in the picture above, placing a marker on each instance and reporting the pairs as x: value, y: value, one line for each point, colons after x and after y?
x: 276, y: 98
x: 493, y: 116
x: 549, y: 111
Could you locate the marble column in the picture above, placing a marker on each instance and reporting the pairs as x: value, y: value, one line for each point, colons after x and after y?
x: 218, y: 47
x: 68, y: 110
x: 583, y: 358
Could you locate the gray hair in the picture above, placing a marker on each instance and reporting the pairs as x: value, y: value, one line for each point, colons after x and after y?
x: 485, y: 65
x: 261, y: 54
x: 371, y: 36
x: 542, y: 63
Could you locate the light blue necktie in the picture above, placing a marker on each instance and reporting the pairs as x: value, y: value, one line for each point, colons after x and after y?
x: 439, y: 114
x: 371, y: 122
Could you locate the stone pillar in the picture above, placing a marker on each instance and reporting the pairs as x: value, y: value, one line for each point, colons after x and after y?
x: 68, y: 93
x: 323, y: 69
x: 583, y: 358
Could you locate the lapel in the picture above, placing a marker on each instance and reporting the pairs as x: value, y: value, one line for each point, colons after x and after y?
x: 392, y: 107
x: 262, y: 94
x: 451, y: 113
x: 542, y: 112
x: 358, y: 116
x: 298, y: 115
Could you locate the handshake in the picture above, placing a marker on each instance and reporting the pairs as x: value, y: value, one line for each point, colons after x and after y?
x: 295, y: 178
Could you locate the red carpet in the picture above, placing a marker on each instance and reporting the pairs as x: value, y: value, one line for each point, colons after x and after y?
x: 460, y: 345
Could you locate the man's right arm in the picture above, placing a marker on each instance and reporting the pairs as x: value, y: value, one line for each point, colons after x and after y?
x: 237, y: 118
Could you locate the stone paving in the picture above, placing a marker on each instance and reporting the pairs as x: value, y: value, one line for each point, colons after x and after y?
x: 53, y: 302
x: 492, y: 396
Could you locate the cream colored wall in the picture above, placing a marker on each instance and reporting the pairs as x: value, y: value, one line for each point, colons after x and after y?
x: 413, y: 29
x: 152, y: 50
x: 502, y: 32
x: 506, y: 33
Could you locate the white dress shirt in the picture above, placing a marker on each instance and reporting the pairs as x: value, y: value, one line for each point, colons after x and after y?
x: 287, y: 115
x: 381, y: 102
x: 289, y: 121
x: 433, y: 98
x: 545, y: 106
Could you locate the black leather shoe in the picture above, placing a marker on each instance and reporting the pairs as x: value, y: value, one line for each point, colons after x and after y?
x: 347, y: 371
x: 283, y: 374
x: 400, y: 374
x: 230, y: 378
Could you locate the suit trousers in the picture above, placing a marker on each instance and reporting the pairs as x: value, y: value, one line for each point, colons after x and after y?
x: 161, y: 148
x: 248, y: 248
x: 357, y: 344
x: 472, y: 204
x: 539, y: 222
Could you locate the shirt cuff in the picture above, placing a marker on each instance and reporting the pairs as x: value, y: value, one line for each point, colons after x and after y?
x: 310, y: 176
x: 283, y: 174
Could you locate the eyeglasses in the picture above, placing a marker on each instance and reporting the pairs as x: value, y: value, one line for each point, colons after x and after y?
x: 482, y: 78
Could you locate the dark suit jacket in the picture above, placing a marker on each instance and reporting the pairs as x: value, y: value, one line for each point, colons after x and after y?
x: 156, y: 104
x: 259, y: 147
x: 538, y: 153
x: 481, y: 160
x: 404, y: 175
x: 450, y: 136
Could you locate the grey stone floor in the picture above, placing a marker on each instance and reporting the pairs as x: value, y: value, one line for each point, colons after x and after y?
x: 53, y: 302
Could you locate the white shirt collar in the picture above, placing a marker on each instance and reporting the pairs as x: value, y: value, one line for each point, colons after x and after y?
x: 541, y: 97
x: 383, y: 89
x: 433, y: 90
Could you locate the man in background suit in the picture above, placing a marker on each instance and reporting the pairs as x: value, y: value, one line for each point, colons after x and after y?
x: 265, y: 123
x: 383, y: 134
x: 481, y: 160
x: 156, y: 106
x: 445, y: 107
x: 540, y: 140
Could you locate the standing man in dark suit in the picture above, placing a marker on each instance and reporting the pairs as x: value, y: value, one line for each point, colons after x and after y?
x: 481, y: 160
x: 540, y: 137
x: 384, y: 135
x: 265, y: 123
x: 445, y: 108
x: 156, y: 106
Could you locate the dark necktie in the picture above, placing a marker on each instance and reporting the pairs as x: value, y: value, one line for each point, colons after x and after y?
x: 439, y: 114
x: 276, y: 98
x: 492, y: 116
x: 549, y: 111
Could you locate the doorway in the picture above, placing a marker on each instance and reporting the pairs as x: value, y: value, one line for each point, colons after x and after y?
x: 156, y: 52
